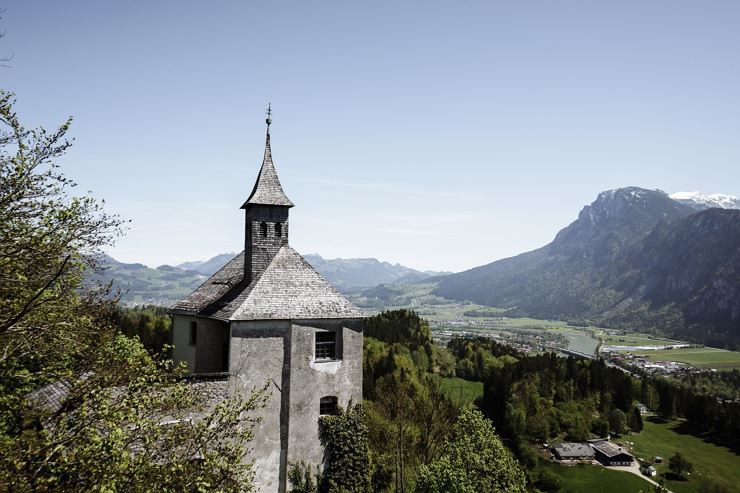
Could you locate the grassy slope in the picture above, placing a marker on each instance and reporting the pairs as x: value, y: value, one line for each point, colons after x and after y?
x: 589, y: 479
x: 462, y: 391
x: 710, y: 461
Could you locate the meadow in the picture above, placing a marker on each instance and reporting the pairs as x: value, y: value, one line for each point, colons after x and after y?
x: 589, y: 479
x: 462, y: 391
x: 638, y: 340
x: 711, y: 462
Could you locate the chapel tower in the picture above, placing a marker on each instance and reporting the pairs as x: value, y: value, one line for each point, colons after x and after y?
x: 266, y: 215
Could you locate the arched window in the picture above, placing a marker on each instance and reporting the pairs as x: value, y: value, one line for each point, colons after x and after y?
x: 263, y: 228
x: 278, y: 230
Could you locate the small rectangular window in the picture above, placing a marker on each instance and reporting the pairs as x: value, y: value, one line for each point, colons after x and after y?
x: 326, y: 345
x: 193, y: 333
x: 328, y: 405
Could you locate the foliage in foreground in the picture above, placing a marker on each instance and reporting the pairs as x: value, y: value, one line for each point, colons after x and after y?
x: 345, y: 437
x: 474, y: 460
x: 122, y: 421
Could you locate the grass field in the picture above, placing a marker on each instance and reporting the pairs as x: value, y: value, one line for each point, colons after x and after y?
x: 462, y: 391
x: 700, y: 357
x: 589, y: 479
x: 637, y: 340
x: 710, y: 461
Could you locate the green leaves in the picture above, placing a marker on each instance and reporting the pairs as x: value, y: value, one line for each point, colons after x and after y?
x: 475, y: 460
x: 345, y: 437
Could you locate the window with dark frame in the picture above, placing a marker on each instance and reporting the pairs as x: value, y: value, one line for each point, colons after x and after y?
x: 278, y: 230
x: 328, y: 405
x: 263, y: 228
x: 193, y: 333
x: 326, y: 345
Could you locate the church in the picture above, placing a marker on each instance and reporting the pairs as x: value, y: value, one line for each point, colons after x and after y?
x: 268, y: 317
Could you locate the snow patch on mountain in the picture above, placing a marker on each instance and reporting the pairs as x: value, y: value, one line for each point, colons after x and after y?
x: 700, y: 201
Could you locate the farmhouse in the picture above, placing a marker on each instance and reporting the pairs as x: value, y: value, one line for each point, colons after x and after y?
x: 573, y: 451
x: 610, y: 454
x: 268, y: 317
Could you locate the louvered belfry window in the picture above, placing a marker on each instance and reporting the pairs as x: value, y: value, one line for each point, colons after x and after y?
x: 326, y: 345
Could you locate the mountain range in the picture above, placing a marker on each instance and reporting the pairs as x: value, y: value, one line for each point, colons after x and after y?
x: 634, y: 258
x: 166, y: 284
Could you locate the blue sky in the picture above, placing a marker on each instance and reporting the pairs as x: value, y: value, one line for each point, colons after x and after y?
x: 442, y: 135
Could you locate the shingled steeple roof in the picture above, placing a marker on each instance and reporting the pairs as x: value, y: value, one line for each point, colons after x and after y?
x: 267, y: 189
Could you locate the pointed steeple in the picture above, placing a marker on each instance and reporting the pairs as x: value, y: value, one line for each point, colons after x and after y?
x: 267, y: 189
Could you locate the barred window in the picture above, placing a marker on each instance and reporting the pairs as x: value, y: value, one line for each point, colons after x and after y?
x: 326, y: 345
x: 278, y: 230
x: 263, y: 228
x: 328, y: 405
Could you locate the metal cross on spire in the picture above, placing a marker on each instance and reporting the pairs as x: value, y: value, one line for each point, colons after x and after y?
x: 268, y: 120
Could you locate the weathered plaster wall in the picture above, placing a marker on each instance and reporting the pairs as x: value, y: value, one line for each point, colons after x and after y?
x: 260, y: 355
x: 311, y: 380
x: 281, y: 354
x: 207, y: 355
x: 182, y: 351
x: 211, y: 352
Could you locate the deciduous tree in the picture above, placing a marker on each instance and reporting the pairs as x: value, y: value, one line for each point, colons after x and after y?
x: 474, y: 460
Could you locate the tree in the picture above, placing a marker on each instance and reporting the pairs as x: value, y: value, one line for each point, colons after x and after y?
x: 392, y: 421
x: 634, y: 420
x: 617, y: 421
x: 435, y: 416
x: 474, y: 460
x: 678, y: 465
x: 121, y: 420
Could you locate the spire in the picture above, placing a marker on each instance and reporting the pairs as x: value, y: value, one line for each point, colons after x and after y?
x: 267, y: 189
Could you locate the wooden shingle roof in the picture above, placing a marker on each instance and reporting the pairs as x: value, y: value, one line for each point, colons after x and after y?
x: 267, y: 189
x: 289, y: 288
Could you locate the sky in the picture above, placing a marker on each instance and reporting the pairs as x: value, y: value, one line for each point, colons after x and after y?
x: 440, y: 135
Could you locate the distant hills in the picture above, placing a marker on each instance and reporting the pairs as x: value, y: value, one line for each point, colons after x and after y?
x: 356, y: 273
x: 166, y: 284
x: 634, y: 258
x: 210, y: 266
